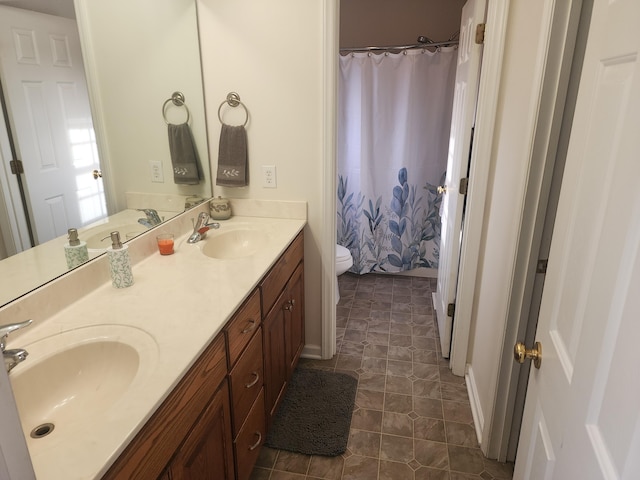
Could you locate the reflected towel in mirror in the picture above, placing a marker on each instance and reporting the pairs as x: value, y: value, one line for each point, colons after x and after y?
x: 232, y: 157
x: 184, y: 156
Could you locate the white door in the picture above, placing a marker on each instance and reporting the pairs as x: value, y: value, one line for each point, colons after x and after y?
x: 462, y: 121
x: 582, y: 413
x: 44, y: 84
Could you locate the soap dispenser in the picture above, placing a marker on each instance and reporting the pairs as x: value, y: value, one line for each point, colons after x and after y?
x: 75, y: 251
x: 119, y: 262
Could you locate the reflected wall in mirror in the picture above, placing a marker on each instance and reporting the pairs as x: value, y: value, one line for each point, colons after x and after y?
x: 136, y: 54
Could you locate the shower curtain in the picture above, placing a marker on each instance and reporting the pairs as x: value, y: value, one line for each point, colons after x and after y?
x: 394, y: 117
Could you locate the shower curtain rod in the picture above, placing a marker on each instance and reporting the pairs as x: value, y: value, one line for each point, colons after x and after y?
x: 446, y: 43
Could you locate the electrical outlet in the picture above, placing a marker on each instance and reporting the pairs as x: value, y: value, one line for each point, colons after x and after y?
x: 156, y: 171
x: 269, y: 176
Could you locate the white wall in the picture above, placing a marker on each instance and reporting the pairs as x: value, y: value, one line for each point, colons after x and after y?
x: 137, y: 54
x: 381, y: 22
x: 271, y: 54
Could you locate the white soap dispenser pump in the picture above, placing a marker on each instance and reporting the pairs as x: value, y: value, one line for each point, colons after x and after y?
x: 119, y: 262
x: 75, y: 252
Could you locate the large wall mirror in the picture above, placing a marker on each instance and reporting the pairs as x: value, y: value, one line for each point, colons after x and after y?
x: 91, y: 128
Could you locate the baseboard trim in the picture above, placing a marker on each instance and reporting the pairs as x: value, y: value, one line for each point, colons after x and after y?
x: 312, y: 351
x: 476, y: 409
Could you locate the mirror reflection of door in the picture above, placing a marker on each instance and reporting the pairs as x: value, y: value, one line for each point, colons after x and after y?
x: 45, y: 93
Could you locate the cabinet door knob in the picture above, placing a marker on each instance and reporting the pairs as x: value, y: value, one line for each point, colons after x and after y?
x: 255, y: 445
x: 250, y: 326
x: 255, y: 380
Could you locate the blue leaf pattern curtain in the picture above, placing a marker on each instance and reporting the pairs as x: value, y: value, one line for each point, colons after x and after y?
x: 394, y: 118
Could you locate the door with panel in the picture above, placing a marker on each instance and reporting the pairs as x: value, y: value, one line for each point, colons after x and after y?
x: 44, y: 85
x: 462, y: 121
x: 581, y: 416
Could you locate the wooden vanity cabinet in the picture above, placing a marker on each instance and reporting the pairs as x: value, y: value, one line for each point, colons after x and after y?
x: 213, y: 424
x: 282, y: 292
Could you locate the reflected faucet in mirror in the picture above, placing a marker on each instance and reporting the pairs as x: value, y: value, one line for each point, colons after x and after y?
x: 12, y: 357
x: 152, y: 219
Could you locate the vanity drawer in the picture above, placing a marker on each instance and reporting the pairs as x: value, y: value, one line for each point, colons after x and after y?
x: 278, y: 276
x: 242, y: 326
x: 246, y: 378
x: 250, y: 439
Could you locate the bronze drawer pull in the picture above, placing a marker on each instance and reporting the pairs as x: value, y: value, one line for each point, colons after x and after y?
x: 250, y: 327
x: 255, y: 445
x: 249, y: 385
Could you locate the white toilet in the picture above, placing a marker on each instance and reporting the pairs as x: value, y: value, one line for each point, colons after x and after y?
x: 344, y: 261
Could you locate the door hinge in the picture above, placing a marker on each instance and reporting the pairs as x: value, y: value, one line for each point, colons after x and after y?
x: 16, y: 167
x: 464, y: 186
x: 542, y: 266
x: 480, y: 33
x: 451, y: 309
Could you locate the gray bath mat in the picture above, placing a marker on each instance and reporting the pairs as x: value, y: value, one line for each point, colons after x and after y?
x: 315, y: 414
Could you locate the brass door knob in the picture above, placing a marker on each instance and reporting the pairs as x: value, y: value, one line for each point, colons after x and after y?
x: 520, y: 353
x: 442, y: 189
x: 97, y: 174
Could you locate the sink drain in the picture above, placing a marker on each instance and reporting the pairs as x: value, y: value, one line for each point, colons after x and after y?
x: 42, y: 430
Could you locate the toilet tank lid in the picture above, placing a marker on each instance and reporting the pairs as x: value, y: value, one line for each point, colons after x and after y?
x: 342, y: 252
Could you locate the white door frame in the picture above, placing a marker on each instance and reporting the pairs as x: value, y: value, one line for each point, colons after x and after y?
x: 497, y: 13
x: 331, y: 27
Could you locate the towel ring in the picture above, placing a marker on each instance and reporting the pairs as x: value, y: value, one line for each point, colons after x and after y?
x: 177, y: 98
x: 233, y: 100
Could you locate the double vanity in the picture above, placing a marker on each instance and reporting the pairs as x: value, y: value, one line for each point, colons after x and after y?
x: 179, y: 375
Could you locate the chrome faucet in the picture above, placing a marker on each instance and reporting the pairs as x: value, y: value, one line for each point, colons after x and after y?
x: 201, y: 227
x: 152, y: 219
x: 12, y: 357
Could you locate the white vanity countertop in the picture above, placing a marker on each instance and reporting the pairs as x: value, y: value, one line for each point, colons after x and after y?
x: 182, y: 302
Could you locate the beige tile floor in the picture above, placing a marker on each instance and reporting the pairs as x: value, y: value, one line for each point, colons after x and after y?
x: 412, y: 419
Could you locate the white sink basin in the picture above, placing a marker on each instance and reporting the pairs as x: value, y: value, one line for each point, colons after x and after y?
x: 71, y: 380
x: 95, y: 237
x: 236, y: 242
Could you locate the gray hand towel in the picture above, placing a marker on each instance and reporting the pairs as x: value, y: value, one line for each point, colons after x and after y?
x: 232, y: 157
x: 184, y: 157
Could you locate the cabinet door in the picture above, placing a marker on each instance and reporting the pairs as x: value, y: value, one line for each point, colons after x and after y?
x: 275, y: 363
x: 294, y: 318
x: 207, y: 452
